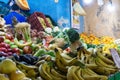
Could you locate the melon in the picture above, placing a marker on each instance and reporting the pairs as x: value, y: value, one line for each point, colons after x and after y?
x: 23, y: 4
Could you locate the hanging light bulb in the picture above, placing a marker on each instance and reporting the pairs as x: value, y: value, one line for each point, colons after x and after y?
x: 100, y: 2
x: 56, y: 1
x: 111, y: 7
x: 87, y: 1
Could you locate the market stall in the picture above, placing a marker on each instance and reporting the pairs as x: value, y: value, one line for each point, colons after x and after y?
x: 45, y: 48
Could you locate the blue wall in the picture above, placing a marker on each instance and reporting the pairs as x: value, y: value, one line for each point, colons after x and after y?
x: 49, y: 7
x: 58, y: 11
x: 6, y: 1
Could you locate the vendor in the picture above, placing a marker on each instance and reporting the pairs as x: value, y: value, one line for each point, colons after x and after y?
x: 15, y: 12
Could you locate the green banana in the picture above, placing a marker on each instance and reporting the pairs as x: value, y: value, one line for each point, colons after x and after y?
x: 43, y: 72
x: 71, y: 75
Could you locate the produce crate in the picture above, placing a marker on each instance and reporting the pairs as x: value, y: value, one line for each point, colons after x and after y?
x: 35, y: 23
x: 115, y: 76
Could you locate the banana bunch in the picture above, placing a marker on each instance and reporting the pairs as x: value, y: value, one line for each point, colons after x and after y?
x: 64, y: 61
x: 74, y: 73
x: 83, y: 54
x: 29, y: 71
x: 84, y: 66
x: 101, y: 64
x: 49, y: 73
x: 77, y: 73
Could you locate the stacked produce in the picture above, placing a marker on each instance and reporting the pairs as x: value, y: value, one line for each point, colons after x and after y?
x: 85, y: 66
x: 2, y: 27
x: 62, y: 57
x: 91, y: 41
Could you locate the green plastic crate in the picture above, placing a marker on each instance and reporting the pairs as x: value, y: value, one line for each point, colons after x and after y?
x: 115, y: 76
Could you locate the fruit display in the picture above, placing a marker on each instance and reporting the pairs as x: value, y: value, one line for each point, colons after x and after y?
x: 92, y: 41
x: 83, y: 66
x: 58, y: 55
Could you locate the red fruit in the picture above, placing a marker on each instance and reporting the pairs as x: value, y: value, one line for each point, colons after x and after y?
x: 9, y: 36
x: 2, y: 44
x: 27, y: 50
x: 9, y: 50
x: 7, y: 46
x: 1, y: 39
x: 3, y: 49
x: 16, y: 50
x: 9, y: 53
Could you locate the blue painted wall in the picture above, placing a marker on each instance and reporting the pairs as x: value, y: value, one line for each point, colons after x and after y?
x: 58, y: 11
x: 6, y: 1
x: 49, y: 7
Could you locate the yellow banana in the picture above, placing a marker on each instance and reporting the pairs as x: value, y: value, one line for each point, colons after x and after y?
x: 40, y: 62
x: 31, y: 73
x: 102, y: 71
x: 91, y: 66
x: 54, y: 77
x: 72, y: 61
x: 112, y: 71
x: 48, y: 69
x: 85, y: 51
x: 43, y: 72
x: 88, y: 75
x: 58, y: 56
x: 105, y: 59
x: 90, y: 72
x: 60, y: 65
x: 64, y: 61
x: 101, y: 63
x: 71, y: 75
x: 78, y: 73
x: 66, y: 56
x: 55, y: 73
x: 26, y: 67
x: 96, y: 78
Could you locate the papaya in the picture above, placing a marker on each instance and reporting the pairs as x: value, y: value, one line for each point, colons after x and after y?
x: 23, y: 4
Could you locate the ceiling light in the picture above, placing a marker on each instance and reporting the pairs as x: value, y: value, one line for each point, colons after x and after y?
x: 56, y: 1
x: 110, y: 7
x: 100, y: 2
x: 87, y: 1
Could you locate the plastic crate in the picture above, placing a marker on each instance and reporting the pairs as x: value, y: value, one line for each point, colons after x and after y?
x: 115, y: 76
x: 35, y: 23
